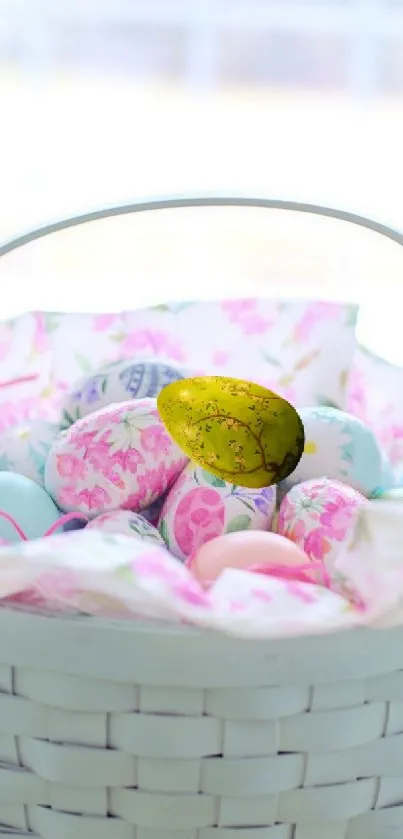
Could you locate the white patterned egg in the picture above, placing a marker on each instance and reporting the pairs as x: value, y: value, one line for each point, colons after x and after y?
x: 200, y: 507
x: 340, y: 446
x: 317, y: 515
x: 25, y: 449
x: 117, y: 382
x: 127, y: 523
x: 121, y: 457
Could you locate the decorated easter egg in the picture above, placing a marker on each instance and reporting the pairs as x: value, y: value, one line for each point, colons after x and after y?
x: 317, y: 515
x: 340, y: 446
x: 245, y: 550
x: 28, y: 505
x: 201, y: 506
x: 24, y: 449
x: 117, y: 382
x: 237, y: 430
x: 128, y: 523
x: 120, y: 457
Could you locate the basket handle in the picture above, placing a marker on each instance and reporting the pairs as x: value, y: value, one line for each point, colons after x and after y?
x: 199, y: 201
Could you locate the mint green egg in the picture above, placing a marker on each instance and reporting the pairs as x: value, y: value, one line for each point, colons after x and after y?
x: 28, y: 504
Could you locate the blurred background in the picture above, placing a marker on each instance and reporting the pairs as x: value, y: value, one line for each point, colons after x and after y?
x: 105, y: 101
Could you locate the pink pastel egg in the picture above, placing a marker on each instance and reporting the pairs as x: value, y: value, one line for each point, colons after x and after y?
x: 200, y: 507
x: 120, y: 457
x: 243, y: 550
x: 317, y: 516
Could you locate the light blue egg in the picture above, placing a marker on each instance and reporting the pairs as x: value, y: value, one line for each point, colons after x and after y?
x: 341, y: 447
x: 28, y: 504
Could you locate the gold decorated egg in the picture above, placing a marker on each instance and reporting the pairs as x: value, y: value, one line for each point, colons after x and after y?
x: 237, y: 430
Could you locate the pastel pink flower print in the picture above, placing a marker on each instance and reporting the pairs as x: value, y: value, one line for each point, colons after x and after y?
x: 81, y: 436
x: 191, y: 592
x: 97, y: 454
x: 155, y: 439
x: 391, y: 437
x: 237, y: 309
x: 155, y: 341
x: 70, y: 466
x: 336, y: 517
x: 255, y: 325
x: 101, y: 323
x: 243, y: 313
x: 86, y: 500
x: 152, y: 484
x: 313, y: 315
x: 219, y: 358
x: 317, y: 515
x: 316, y: 545
x: 301, y: 591
x: 154, y: 564
x: 40, y: 341
x: 199, y: 517
x: 94, y: 498
x: 128, y: 460
x: 296, y: 532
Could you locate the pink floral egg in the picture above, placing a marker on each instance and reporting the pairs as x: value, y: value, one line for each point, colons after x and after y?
x: 120, y: 457
x: 200, y: 507
x: 317, y: 515
x: 128, y: 524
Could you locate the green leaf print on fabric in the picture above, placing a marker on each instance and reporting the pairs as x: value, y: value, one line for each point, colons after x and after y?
x: 212, y: 479
x: 118, y: 337
x: 352, y: 315
x: 68, y: 419
x: 269, y: 359
x: 51, y: 322
x: 83, y: 363
x: 239, y: 523
x: 306, y: 360
x: 164, y: 532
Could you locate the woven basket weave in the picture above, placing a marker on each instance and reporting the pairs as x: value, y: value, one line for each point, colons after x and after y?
x: 147, y: 731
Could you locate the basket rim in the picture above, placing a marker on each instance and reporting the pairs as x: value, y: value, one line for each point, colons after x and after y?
x: 194, y: 201
x: 173, y: 655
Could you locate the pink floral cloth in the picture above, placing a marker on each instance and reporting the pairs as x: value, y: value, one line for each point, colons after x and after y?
x: 286, y: 345
x: 118, y: 577
x: 374, y: 395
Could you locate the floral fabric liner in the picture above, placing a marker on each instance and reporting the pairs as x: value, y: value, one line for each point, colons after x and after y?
x: 120, y: 578
x: 374, y: 395
x: 301, y: 349
x: 304, y: 350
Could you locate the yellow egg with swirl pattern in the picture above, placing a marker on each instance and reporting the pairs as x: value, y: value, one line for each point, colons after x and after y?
x: 237, y: 430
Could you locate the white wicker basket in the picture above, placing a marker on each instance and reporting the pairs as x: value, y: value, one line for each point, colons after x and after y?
x: 147, y: 731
